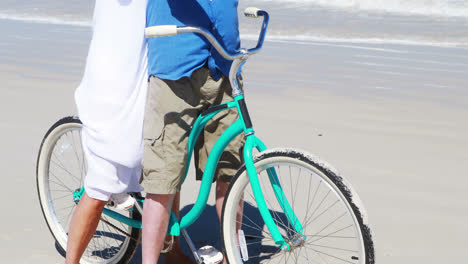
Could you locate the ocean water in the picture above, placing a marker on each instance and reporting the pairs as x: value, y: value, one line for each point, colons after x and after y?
x: 418, y: 22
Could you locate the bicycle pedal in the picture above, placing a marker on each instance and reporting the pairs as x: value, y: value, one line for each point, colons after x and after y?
x: 168, y: 245
x: 210, y: 255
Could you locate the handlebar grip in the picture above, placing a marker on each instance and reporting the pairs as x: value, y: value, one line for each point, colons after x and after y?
x: 161, y: 31
x: 251, y: 12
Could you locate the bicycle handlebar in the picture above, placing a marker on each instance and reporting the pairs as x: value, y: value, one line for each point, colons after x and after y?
x: 161, y: 31
x: 171, y: 30
x: 251, y: 12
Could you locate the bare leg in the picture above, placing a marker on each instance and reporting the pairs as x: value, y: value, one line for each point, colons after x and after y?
x: 176, y: 256
x: 155, y: 220
x: 221, y: 189
x: 82, y: 227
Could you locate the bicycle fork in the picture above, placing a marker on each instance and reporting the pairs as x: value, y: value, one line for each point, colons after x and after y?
x: 253, y: 142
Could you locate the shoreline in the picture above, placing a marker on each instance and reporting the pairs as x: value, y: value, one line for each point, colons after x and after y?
x: 272, y: 37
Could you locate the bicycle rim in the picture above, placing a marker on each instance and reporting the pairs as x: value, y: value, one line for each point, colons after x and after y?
x: 61, y: 170
x: 331, y: 227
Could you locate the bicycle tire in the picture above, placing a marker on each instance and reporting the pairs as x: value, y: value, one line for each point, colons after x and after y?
x: 61, y: 168
x: 327, y: 241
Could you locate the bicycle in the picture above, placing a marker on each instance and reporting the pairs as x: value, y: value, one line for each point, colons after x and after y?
x: 327, y: 224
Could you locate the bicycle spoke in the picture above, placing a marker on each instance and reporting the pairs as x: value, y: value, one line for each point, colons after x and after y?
x: 325, y: 236
x: 63, y: 208
x: 63, y: 191
x: 342, y: 249
x: 74, y: 149
x: 308, y: 258
x: 320, y: 256
x: 321, y: 202
x: 259, y: 228
x: 263, y: 256
x: 332, y: 222
x: 335, y: 257
x: 284, y: 198
x: 61, y: 197
x: 310, y: 205
x: 323, y: 212
x: 287, y: 258
x: 61, y: 166
x: 61, y: 183
x: 295, y: 193
x: 275, y: 214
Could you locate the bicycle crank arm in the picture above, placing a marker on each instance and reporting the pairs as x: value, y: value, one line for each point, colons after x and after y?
x: 192, y: 247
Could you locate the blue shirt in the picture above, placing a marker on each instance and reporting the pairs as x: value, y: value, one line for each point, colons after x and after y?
x: 179, y: 56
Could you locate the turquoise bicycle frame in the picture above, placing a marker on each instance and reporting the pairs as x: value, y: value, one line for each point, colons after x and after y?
x: 242, y: 124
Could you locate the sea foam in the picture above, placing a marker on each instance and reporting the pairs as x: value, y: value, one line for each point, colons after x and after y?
x: 446, y: 8
x: 308, y: 39
x: 44, y: 19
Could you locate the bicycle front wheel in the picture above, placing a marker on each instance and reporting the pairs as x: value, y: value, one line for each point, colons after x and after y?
x: 61, y: 168
x: 330, y: 212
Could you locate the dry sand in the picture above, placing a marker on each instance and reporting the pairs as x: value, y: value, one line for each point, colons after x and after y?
x: 391, y: 118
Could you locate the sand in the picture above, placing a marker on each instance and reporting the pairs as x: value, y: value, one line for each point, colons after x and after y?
x: 391, y: 118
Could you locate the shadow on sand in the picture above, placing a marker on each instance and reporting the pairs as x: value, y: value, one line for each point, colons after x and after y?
x: 206, y: 231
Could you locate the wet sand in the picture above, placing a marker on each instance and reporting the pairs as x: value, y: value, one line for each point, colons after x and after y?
x: 391, y: 118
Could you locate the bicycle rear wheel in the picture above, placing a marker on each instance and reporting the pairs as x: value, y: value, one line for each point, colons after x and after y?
x: 61, y: 168
x: 330, y: 212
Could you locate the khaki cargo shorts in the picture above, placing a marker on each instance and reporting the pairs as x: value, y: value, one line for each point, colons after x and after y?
x: 171, y: 109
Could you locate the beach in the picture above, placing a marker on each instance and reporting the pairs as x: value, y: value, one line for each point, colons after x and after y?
x: 391, y: 116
